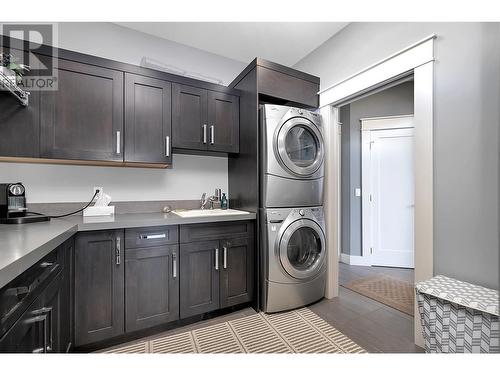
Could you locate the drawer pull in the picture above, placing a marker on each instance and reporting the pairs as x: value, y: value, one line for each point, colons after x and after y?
x: 152, y: 236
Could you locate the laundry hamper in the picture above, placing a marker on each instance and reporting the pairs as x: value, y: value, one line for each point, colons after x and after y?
x: 458, y: 317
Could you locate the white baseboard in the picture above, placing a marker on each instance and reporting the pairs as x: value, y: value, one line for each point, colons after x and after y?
x: 355, y: 260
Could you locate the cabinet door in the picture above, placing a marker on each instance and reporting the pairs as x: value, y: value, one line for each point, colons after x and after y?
x: 53, y: 307
x: 28, y: 334
x: 223, y: 122
x: 199, y: 277
x: 99, y: 286
x: 19, y: 126
x: 83, y: 119
x: 147, y: 120
x: 151, y: 286
x: 189, y: 117
x: 38, y: 329
x: 237, y: 279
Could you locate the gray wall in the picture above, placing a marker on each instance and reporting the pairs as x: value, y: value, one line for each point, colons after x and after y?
x: 466, y: 134
x: 397, y: 100
x: 190, y: 175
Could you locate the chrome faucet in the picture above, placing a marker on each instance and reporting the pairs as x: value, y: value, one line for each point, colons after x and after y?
x: 214, y: 200
x: 203, y: 201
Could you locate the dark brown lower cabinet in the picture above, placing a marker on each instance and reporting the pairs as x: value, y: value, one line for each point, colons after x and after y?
x: 216, y: 274
x: 199, y: 277
x: 99, y: 286
x: 151, y: 286
x: 237, y: 279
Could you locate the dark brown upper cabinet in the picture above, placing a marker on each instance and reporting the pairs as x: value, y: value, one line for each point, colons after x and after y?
x: 204, y: 120
x: 189, y: 117
x: 83, y: 119
x: 19, y: 126
x: 223, y: 122
x: 148, y: 136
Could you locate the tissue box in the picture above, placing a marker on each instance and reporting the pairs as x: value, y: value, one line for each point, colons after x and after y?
x: 99, y: 211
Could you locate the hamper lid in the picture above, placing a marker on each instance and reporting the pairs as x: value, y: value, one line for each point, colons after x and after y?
x: 462, y: 293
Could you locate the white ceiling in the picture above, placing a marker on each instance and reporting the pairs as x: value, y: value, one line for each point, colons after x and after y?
x: 282, y: 42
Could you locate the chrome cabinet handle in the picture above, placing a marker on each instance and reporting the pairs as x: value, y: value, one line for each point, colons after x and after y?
x: 152, y: 236
x: 212, y: 134
x: 118, y: 141
x: 118, y: 251
x: 217, y: 259
x: 224, y: 261
x: 167, y: 146
x: 43, y: 314
x: 204, y: 133
x: 174, y: 265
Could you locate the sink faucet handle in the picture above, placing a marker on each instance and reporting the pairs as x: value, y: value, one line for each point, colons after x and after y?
x: 218, y: 194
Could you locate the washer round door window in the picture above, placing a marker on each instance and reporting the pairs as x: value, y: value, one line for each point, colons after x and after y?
x: 302, y: 249
x: 300, y: 146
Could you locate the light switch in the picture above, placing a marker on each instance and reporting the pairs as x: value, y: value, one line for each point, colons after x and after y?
x: 357, y: 192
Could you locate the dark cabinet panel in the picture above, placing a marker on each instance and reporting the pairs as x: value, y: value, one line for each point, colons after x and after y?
x: 215, y: 231
x: 38, y: 329
x: 199, y: 277
x: 223, y: 122
x: 151, y: 286
x: 287, y: 87
x: 27, y: 335
x: 147, y: 120
x: 65, y: 254
x: 19, y: 126
x: 237, y: 279
x: 99, y: 286
x: 83, y: 119
x: 189, y: 117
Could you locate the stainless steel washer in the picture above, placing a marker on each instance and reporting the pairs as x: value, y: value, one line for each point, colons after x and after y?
x: 293, y: 257
x: 292, y: 157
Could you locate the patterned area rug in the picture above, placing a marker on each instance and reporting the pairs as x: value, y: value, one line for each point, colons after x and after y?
x: 298, y: 331
x: 395, y: 293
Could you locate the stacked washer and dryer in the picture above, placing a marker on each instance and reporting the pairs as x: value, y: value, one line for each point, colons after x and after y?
x: 293, y: 244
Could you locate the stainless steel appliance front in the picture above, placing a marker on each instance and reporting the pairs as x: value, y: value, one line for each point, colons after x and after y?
x: 293, y: 257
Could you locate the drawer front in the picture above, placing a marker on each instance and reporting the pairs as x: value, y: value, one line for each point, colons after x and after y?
x: 215, y: 231
x: 151, y: 236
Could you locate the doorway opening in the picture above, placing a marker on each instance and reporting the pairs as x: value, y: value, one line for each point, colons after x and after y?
x: 377, y: 195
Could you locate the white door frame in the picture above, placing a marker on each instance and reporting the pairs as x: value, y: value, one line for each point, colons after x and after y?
x: 418, y: 59
x: 367, y: 125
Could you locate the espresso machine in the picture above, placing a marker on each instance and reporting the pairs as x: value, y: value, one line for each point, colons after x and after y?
x: 13, y: 205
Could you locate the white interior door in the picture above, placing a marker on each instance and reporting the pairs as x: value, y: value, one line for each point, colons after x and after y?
x: 389, y: 176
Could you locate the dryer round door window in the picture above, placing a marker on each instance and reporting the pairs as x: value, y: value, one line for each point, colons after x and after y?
x: 300, y: 146
x: 302, y: 249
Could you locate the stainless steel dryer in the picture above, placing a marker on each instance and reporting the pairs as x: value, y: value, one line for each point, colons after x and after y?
x: 293, y: 257
x: 292, y: 157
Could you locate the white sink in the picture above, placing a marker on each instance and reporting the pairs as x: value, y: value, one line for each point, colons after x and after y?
x: 208, y: 212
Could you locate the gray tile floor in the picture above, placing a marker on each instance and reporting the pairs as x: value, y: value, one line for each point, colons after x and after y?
x: 376, y: 327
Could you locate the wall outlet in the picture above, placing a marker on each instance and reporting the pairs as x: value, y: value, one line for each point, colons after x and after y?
x: 100, y: 188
